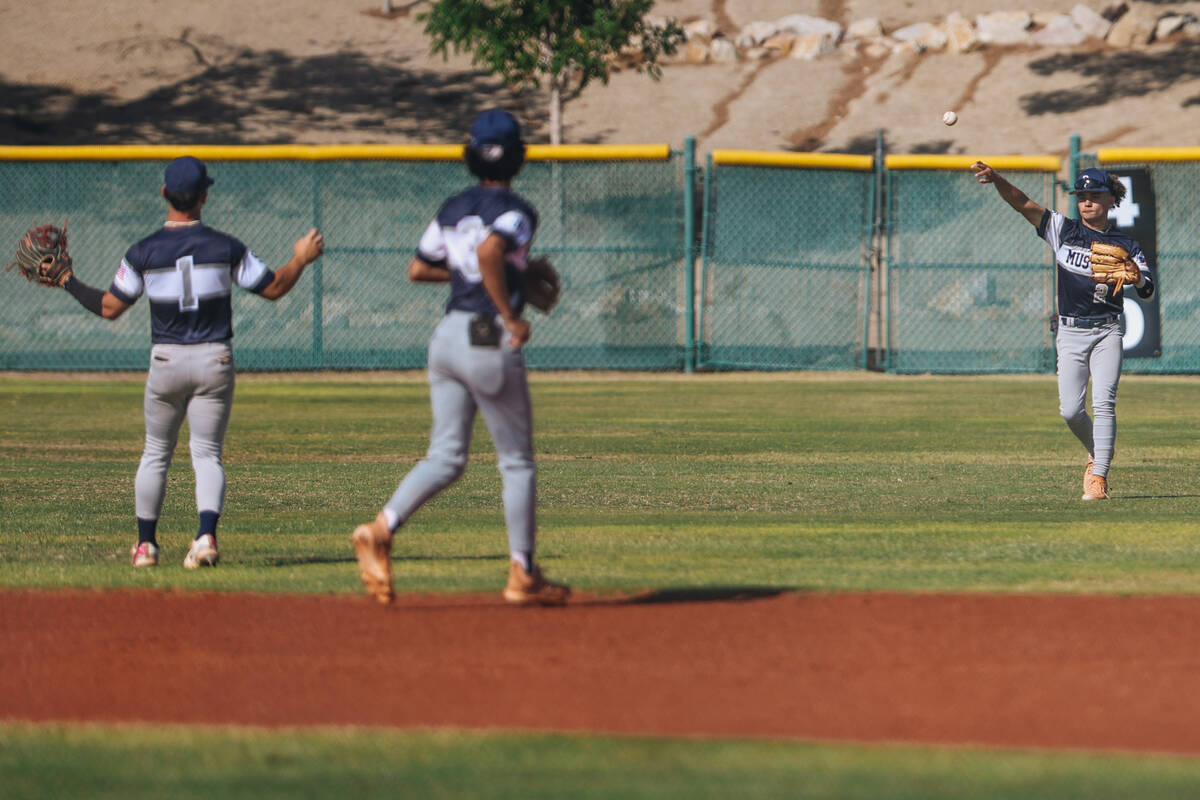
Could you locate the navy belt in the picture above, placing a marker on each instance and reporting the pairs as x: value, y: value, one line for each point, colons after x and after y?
x: 1088, y: 322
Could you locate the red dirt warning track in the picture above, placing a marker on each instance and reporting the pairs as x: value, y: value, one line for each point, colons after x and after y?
x: 1023, y: 671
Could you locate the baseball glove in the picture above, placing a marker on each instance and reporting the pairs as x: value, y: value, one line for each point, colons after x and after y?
x: 42, y: 255
x: 542, y: 285
x: 1112, y: 265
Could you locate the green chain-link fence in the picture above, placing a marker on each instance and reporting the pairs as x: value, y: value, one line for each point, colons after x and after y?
x: 786, y: 269
x: 970, y: 286
x: 613, y: 226
x: 807, y: 261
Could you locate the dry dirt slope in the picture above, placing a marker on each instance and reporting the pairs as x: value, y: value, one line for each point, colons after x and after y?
x: 249, y: 71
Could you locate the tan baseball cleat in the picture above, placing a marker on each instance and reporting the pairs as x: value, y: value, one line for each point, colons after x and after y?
x: 1095, y: 487
x: 373, y: 547
x: 532, y: 589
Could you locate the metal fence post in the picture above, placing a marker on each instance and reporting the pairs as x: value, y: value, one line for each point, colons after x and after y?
x: 707, y: 209
x: 689, y: 253
x: 877, y: 232
x: 318, y: 317
x: 885, y: 261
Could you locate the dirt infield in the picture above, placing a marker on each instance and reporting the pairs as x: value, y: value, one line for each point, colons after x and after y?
x: 1019, y: 671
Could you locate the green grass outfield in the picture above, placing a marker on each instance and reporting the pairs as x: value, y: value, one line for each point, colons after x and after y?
x: 804, y: 482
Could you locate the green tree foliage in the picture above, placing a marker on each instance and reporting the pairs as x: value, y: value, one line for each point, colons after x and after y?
x: 567, y: 43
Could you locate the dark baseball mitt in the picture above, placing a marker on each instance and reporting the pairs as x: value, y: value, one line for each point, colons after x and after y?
x: 542, y: 285
x: 1112, y: 265
x: 42, y: 255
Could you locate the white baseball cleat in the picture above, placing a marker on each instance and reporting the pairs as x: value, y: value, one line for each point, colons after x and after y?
x: 202, y: 553
x: 144, y: 554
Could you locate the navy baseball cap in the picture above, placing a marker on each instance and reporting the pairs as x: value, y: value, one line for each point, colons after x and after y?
x: 186, y: 175
x: 496, y: 126
x: 1093, y: 180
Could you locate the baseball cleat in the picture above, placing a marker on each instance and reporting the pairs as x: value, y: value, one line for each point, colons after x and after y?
x: 1095, y: 487
x: 532, y: 589
x: 373, y: 547
x: 144, y: 554
x: 202, y: 553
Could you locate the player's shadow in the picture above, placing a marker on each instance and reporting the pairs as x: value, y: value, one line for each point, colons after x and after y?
x: 1152, y: 496
x: 708, y: 594
x: 349, y: 558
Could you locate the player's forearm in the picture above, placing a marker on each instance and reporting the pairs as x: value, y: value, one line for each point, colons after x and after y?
x: 421, y: 271
x: 491, y: 268
x: 89, y: 297
x: 101, y: 303
x: 286, y: 277
x: 497, y: 288
x: 307, y: 249
x: 1011, y: 194
x: 1019, y: 201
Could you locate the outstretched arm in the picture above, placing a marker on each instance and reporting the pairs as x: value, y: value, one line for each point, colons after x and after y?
x: 1011, y: 194
x: 307, y: 249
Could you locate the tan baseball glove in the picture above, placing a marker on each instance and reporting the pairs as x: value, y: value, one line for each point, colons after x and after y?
x: 1112, y: 265
x: 542, y: 285
x: 42, y: 255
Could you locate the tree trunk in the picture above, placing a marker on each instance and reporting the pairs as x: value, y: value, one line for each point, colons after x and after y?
x: 555, y: 111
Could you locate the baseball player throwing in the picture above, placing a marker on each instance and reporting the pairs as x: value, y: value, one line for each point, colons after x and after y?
x: 479, y: 244
x: 188, y: 271
x: 1090, y: 302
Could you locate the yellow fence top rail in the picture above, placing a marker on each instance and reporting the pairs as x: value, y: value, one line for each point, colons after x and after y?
x: 335, y: 152
x: 1032, y: 163
x: 763, y: 158
x: 1116, y: 154
x: 598, y: 152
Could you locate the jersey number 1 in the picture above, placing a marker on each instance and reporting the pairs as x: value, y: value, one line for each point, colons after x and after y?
x: 187, y: 295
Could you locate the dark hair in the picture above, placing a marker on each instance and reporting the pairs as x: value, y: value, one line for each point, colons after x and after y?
x: 493, y: 162
x: 183, y: 202
x: 1118, y: 189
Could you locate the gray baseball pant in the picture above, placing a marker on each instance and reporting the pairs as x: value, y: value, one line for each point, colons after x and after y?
x: 196, y: 381
x: 1098, y: 353
x: 464, y: 379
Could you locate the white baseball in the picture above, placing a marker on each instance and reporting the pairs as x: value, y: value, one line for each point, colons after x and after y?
x: 949, y: 118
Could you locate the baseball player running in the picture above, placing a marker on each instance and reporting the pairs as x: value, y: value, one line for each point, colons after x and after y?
x: 479, y: 243
x: 188, y: 271
x: 1089, y: 333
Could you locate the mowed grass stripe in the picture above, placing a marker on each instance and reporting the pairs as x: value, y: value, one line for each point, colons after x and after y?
x: 797, y: 482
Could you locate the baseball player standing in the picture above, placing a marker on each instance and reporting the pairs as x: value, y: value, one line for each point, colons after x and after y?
x: 1089, y: 332
x: 188, y: 271
x: 478, y: 243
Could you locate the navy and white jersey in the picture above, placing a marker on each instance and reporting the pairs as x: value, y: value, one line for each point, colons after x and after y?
x: 188, y: 273
x: 1078, y: 294
x: 462, y: 224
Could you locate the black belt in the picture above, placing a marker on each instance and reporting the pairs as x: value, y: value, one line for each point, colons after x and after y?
x: 1087, y: 322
